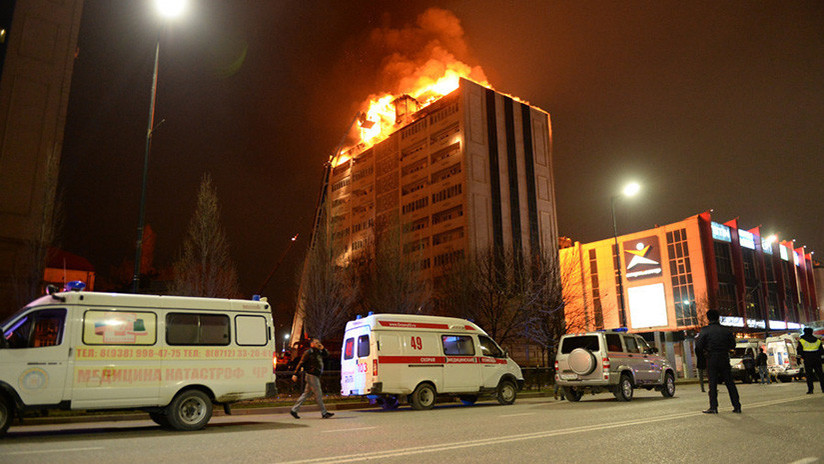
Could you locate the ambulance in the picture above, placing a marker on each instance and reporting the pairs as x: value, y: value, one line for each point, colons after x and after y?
x: 173, y: 357
x: 402, y: 358
x: 782, y: 358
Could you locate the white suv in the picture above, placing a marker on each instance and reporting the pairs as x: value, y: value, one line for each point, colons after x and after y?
x: 611, y: 360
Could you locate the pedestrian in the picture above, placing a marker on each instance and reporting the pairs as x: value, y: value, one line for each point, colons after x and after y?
x: 716, y: 342
x: 810, y: 349
x: 761, y: 364
x: 749, y: 364
x: 312, y: 364
x: 700, y: 363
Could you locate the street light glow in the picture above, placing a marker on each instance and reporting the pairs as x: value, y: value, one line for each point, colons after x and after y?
x: 170, y: 8
x: 632, y: 189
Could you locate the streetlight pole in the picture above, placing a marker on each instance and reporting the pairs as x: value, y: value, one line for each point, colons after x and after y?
x: 630, y: 190
x: 168, y: 9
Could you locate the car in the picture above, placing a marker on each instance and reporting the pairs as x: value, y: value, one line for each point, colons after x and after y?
x: 611, y: 360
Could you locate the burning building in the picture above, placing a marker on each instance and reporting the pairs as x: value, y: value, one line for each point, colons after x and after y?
x: 468, y: 172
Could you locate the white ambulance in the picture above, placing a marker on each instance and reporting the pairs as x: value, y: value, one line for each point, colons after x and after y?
x: 782, y: 358
x: 392, y: 358
x: 173, y: 357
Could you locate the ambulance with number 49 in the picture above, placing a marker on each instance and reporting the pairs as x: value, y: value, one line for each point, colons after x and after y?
x: 402, y: 358
x: 173, y: 357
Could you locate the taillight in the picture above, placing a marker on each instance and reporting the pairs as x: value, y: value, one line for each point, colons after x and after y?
x: 606, y: 365
x: 375, y: 367
x: 556, y: 370
x: 274, y: 361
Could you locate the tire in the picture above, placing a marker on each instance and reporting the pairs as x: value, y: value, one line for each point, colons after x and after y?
x: 623, y: 391
x: 572, y: 394
x: 668, y: 390
x: 507, y: 392
x: 423, y: 397
x: 160, y: 419
x: 6, y: 415
x: 468, y: 400
x: 582, y: 361
x: 388, y: 403
x: 190, y: 410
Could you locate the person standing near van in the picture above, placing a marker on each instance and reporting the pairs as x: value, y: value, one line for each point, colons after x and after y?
x: 809, y: 347
x: 761, y: 364
x: 700, y: 363
x: 312, y: 364
x: 716, y: 342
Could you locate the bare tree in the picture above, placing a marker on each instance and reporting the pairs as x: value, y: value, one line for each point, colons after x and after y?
x: 492, y: 290
x: 392, y: 276
x: 205, y: 267
x: 329, y: 287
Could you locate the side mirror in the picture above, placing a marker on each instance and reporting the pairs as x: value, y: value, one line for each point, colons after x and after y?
x: 3, y: 342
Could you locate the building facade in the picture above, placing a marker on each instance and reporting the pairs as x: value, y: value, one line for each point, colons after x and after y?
x: 469, y: 173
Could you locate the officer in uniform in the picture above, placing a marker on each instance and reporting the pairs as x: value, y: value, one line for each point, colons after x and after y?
x: 716, y: 342
x: 809, y: 347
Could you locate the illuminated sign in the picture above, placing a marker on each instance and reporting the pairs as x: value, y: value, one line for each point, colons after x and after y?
x: 766, y: 245
x: 643, y: 258
x: 746, y: 239
x: 721, y: 232
x: 782, y: 250
x: 647, y: 306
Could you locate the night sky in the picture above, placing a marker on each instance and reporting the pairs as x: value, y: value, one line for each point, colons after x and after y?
x: 709, y: 105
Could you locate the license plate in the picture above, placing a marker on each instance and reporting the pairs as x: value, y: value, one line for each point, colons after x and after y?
x: 568, y: 376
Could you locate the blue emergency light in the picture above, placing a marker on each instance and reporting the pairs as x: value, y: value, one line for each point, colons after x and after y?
x: 74, y: 286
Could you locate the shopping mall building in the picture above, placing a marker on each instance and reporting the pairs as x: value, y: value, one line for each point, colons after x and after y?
x: 664, y: 279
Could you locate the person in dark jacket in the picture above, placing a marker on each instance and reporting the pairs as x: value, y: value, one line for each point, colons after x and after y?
x: 716, y: 342
x: 761, y: 364
x: 312, y: 364
x: 810, y: 349
x: 700, y: 363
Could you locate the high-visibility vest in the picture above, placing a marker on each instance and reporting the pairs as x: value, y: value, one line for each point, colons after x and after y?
x: 810, y: 346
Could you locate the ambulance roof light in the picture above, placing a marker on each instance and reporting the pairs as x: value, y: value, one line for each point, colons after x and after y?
x: 75, y: 286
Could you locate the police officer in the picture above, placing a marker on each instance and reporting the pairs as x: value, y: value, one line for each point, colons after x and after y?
x: 809, y: 347
x: 716, y: 342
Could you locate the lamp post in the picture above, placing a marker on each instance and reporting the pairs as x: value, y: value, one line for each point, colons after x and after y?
x: 285, y: 339
x: 630, y: 190
x: 167, y: 9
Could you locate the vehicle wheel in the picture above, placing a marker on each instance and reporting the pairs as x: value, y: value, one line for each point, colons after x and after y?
x: 668, y: 390
x: 6, y: 415
x: 506, y: 392
x: 572, y: 394
x: 388, y: 402
x: 623, y: 391
x: 468, y: 400
x: 582, y: 361
x: 190, y: 410
x: 160, y: 419
x: 423, y: 397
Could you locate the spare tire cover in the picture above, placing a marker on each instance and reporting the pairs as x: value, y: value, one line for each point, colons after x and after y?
x: 581, y: 361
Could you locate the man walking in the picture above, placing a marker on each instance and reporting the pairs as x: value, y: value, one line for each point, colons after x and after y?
x: 312, y: 364
x: 716, y: 342
x: 761, y: 364
x: 809, y: 347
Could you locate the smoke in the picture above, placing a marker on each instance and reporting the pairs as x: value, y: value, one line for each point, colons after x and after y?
x: 421, y: 53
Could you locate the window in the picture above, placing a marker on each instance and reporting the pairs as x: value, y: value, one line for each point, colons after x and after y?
x: 197, y: 329
x: 642, y: 345
x: 613, y: 342
x: 458, y: 345
x: 489, y: 347
x: 632, y: 345
x: 448, y: 192
x: 587, y: 342
x: 251, y: 330
x: 349, y: 348
x: 448, y: 214
x: 363, y: 346
x: 37, y: 329
x: 119, y: 327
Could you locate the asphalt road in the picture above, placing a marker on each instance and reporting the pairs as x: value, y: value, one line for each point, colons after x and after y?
x: 780, y: 424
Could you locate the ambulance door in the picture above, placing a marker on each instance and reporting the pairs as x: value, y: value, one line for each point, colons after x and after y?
x: 36, y: 360
x: 354, y: 366
x: 493, y: 362
x: 462, y: 370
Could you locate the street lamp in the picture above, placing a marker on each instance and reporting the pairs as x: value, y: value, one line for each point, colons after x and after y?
x: 630, y: 190
x: 167, y: 9
x: 285, y: 339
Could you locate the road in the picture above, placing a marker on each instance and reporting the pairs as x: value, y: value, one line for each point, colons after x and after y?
x: 780, y: 424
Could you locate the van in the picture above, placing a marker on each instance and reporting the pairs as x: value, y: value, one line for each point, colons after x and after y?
x: 782, y: 358
x: 394, y: 358
x: 745, y: 348
x: 173, y: 357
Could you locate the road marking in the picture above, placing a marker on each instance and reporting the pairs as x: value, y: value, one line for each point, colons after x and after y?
x: 516, y: 415
x: 521, y: 437
x: 805, y: 461
x: 64, y: 450
x: 348, y: 430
